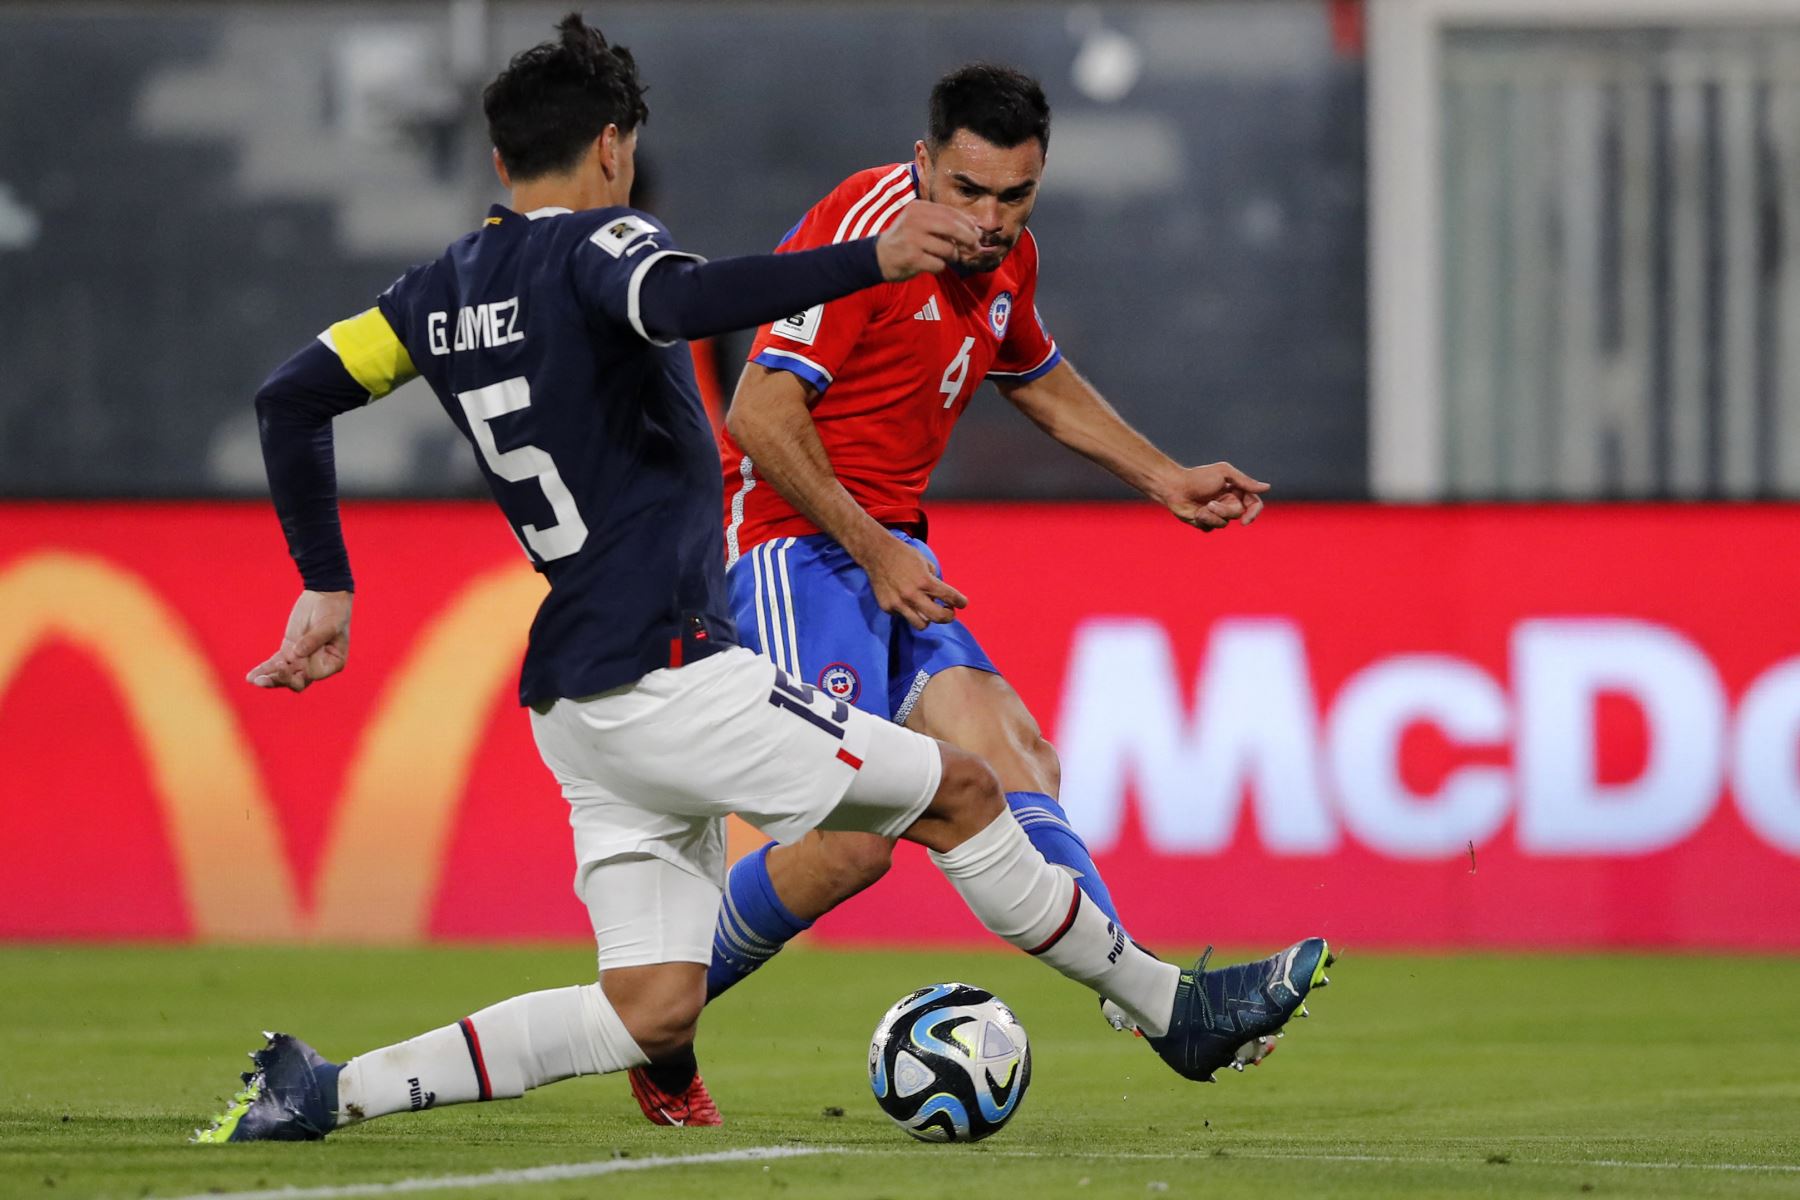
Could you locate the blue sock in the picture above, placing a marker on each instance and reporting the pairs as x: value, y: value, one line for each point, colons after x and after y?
x: 753, y: 923
x: 1047, y: 825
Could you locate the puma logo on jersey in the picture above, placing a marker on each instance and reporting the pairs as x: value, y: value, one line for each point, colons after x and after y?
x: 481, y: 325
x: 929, y: 312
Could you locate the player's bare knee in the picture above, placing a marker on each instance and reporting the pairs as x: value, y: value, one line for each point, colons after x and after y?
x: 968, y: 799
x: 1045, y: 763
x: 1030, y: 755
x: 969, y: 794
x: 1016, y: 748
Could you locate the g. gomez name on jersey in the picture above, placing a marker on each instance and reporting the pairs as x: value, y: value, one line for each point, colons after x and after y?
x: 478, y: 326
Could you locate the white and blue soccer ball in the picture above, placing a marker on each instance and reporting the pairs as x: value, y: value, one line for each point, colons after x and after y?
x: 950, y: 1063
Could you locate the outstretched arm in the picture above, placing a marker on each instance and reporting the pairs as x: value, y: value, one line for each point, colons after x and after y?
x: 683, y: 297
x: 1069, y: 409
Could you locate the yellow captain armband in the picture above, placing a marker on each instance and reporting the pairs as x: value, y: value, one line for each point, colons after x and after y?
x: 371, y: 351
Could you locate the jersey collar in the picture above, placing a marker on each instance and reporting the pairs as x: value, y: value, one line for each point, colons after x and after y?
x: 499, y: 212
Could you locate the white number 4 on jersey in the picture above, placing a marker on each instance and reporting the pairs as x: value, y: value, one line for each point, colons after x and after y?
x: 957, y: 373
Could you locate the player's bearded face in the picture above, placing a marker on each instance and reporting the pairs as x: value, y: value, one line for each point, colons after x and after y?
x: 997, y: 187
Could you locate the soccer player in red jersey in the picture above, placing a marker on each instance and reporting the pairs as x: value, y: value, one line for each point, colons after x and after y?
x: 838, y: 422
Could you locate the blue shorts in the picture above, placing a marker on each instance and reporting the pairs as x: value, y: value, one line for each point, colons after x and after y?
x: 805, y: 603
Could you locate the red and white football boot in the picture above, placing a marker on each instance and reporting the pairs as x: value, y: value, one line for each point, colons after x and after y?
x: 692, y: 1107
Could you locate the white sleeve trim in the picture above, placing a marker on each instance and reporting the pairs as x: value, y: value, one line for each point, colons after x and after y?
x: 632, y: 312
x: 778, y: 353
x: 330, y: 343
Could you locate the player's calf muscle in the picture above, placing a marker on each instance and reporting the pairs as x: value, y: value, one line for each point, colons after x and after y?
x: 822, y: 870
x: 853, y: 861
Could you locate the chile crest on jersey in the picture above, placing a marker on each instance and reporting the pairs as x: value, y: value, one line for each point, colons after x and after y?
x: 840, y: 681
x: 1000, y: 313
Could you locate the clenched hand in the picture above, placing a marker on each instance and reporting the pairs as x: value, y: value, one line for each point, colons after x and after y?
x: 924, y: 237
x: 1213, y: 496
x: 907, y: 585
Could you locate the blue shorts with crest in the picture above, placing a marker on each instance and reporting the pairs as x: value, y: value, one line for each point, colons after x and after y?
x: 804, y: 602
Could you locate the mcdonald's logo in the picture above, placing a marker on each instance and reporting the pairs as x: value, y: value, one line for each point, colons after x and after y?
x: 405, y: 773
x: 426, y: 812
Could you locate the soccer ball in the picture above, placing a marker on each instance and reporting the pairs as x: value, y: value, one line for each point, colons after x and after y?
x: 949, y: 1063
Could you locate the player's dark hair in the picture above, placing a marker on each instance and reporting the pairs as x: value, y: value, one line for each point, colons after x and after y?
x: 554, y: 99
x: 995, y: 103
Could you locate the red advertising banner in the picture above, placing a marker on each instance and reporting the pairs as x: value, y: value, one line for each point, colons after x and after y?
x: 1394, y: 726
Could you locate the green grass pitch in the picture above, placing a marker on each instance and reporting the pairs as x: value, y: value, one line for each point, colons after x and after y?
x: 1416, y: 1076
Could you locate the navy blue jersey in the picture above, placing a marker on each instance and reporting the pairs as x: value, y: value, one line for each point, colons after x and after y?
x: 590, y: 432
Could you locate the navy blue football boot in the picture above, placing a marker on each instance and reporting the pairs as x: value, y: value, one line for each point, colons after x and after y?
x: 1229, y: 1017
x: 290, y: 1097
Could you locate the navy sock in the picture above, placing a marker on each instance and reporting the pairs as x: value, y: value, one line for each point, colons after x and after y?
x: 753, y: 923
x: 1047, y: 825
x: 327, y: 1076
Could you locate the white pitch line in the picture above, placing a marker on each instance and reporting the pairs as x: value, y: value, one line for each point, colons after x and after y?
x: 1524, y: 1162
x: 1393, y: 1159
x: 611, y: 1166
x: 549, y: 1174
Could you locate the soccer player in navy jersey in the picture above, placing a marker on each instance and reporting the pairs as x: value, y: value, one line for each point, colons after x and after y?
x: 551, y: 337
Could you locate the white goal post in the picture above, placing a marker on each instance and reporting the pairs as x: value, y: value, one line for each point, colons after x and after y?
x: 1407, y: 303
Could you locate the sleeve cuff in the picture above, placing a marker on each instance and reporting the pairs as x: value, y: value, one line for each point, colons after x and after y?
x: 798, y: 364
x: 1037, y: 372
x: 633, y: 295
x: 336, y: 580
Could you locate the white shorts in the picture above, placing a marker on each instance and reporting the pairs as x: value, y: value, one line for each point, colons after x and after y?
x: 650, y: 770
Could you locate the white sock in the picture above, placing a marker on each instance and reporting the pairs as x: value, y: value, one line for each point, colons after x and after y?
x: 1036, y: 907
x: 501, y: 1052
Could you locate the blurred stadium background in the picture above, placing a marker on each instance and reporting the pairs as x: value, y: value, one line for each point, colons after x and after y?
x: 1503, y: 295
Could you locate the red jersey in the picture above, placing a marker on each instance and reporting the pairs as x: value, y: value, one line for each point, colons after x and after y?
x: 895, y: 364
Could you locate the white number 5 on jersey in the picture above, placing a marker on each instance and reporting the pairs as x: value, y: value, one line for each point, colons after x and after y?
x: 525, y: 462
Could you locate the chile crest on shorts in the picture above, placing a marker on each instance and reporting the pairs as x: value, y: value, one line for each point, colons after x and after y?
x: 840, y: 682
x: 1000, y: 314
